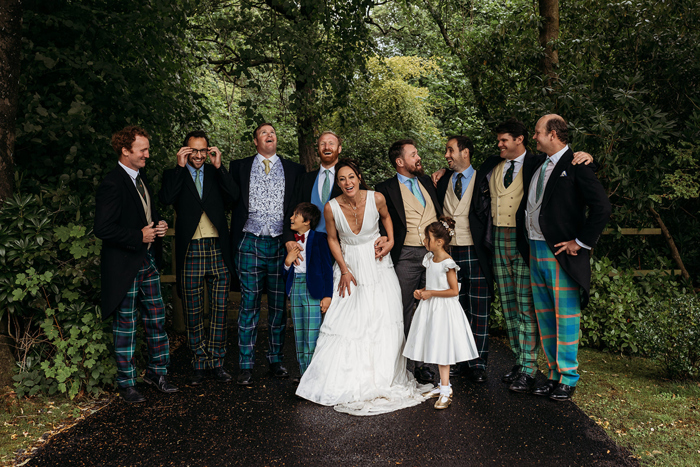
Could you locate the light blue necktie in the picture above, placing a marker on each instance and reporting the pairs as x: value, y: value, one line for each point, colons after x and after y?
x: 198, y: 181
x: 326, y: 190
x: 540, y: 181
x: 416, y: 191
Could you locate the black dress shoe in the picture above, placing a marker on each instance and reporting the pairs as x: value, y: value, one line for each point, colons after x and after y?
x: 477, y: 375
x: 220, y: 375
x: 160, y: 382
x: 455, y: 370
x: 245, y: 377
x: 197, y: 377
x: 423, y: 374
x: 278, y: 370
x: 512, y: 374
x: 546, y: 389
x: 523, y: 383
x: 562, y: 392
x: 131, y: 395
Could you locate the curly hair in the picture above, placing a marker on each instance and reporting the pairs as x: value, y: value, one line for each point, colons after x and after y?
x: 125, y: 138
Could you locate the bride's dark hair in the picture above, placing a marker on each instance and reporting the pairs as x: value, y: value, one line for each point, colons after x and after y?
x: 355, y: 168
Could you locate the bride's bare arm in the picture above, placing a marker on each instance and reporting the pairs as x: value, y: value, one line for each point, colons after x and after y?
x: 334, y: 244
x: 382, y: 248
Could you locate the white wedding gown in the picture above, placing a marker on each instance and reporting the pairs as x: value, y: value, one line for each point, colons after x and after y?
x: 358, y: 365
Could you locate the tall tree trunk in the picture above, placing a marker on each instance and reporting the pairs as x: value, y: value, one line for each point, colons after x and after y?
x: 10, y: 45
x: 306, y: 126
x: 675, y: 254
x: 549, y: 32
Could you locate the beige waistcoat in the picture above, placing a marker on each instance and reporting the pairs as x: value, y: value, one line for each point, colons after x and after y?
x: 505, y: 201
x: 459, y: 211
x: 205, y: 229
x: 417, y: 216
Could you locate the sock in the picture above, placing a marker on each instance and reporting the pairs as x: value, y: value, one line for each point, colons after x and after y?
x: 445, y: 390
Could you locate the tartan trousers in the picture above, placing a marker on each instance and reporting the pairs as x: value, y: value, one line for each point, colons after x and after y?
x: 513, y: 279
x: 144, y: 293
x: 307, y: 318
x: 259, y: 262
x: 475, y: 299
x: 204, y: 263
x: 557, y: 300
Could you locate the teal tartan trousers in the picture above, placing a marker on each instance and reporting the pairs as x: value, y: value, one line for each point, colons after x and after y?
x: 557, y: 300
x: 307, y: 318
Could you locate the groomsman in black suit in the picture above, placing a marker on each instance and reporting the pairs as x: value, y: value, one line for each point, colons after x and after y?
x: 130, y: 228
x: 567, y: 210
x: 259, y: 219
x: 413, y: 204
x: 201, y: 193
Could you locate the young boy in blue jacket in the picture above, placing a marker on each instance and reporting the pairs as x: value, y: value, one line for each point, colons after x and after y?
x: 308, y: 276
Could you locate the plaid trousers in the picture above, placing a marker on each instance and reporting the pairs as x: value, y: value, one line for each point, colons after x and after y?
x: 259, y: 262
x: 204, y: 263
x: 145, y: 291
x: 557, y: 300
x: 513, y: 279
x: 475, y: 299
x: 307, y: 318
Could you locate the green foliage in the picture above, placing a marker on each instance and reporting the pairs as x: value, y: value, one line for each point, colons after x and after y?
x: 48, y: 283
x: 670, y: 330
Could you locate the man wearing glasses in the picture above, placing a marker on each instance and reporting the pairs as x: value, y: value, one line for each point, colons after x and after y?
x: 200, y: 194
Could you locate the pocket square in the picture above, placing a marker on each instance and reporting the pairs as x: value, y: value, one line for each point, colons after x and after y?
x: 563, y: 174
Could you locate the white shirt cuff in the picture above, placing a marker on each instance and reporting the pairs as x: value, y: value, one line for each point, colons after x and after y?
x: 582, y: 245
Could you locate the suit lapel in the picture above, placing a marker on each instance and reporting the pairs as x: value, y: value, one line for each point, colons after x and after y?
x: 209, y: 181
x: 564, y: 161
x: 307, y: 249
x: 246, y: 167
x: 131, y: 189
x: 396, y: 198
x: 288, y: 185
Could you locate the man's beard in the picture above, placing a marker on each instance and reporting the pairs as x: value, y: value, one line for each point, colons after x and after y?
x: 417, y: 171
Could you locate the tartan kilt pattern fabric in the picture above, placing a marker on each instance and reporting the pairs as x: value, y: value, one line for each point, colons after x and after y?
x: 144, y: 293
x: 475, y: 299
x: 204, y: 263
x: 513, y: 279
x: 307, y: 318
x: 259, y: 263
x: 557, y: 300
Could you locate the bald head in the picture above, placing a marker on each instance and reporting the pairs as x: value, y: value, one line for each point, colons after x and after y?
x: 551, y: 134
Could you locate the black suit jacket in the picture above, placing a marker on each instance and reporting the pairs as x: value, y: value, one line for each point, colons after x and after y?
x: 218, y: 192
x: 119, y: 218
x: 480, y: 222
x: 569, y: 191
x: 240, y: 171
x: 302, y: 194
x: 394, y: 202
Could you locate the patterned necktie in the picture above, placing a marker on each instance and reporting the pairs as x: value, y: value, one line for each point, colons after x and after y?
x: 267, y: 166
x: 416, y: 191
x: 326, y: 189
x: 139, y: 187
x: 508, y: 179
x: 458, y: 186
x: 540, y: 180
x: 198, y: 181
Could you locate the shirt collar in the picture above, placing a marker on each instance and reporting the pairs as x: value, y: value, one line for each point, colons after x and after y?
x: 260, y: 158
x: 403, y: 179
x: 322, y: 169
x: 193, y: 170
x: 467, y: 173
x: 557, y: 155
x: 132, y: 173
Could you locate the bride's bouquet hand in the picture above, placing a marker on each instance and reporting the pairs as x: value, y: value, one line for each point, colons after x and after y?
x: 345, y: 279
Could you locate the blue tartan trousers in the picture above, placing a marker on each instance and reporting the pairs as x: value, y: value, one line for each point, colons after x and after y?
x: 259, y: 263
x: 307, y: 318
x: 144, y: 294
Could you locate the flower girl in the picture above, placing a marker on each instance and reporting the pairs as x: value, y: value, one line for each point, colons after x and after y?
x: 440, y: 332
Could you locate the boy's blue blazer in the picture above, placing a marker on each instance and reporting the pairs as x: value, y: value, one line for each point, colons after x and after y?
x: 319, y: 267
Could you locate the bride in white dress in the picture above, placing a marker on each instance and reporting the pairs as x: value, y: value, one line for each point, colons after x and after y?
x: 358, y: 365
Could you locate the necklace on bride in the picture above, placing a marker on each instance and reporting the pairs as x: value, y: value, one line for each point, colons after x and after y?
x: 354, y: 208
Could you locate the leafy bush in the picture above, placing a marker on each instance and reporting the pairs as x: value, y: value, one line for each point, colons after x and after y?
x: 48, y: 281
x: 670, y: 331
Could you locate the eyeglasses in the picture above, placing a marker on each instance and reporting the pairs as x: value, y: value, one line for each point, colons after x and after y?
x: 201, y: 152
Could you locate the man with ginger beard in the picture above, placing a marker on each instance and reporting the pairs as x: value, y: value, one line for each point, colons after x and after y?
x: 260, y: 216
x: 413, y: 204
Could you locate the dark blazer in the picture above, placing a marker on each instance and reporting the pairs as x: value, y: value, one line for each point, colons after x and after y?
x: 392, y: 192
x: 319, y: 267
x: 218, y: 192
x: 302, y: 194
x: 480, y: 222
x: 563, y: 215
x: 119, y: 218
x: 240, y: 171
x: 482, y: 198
